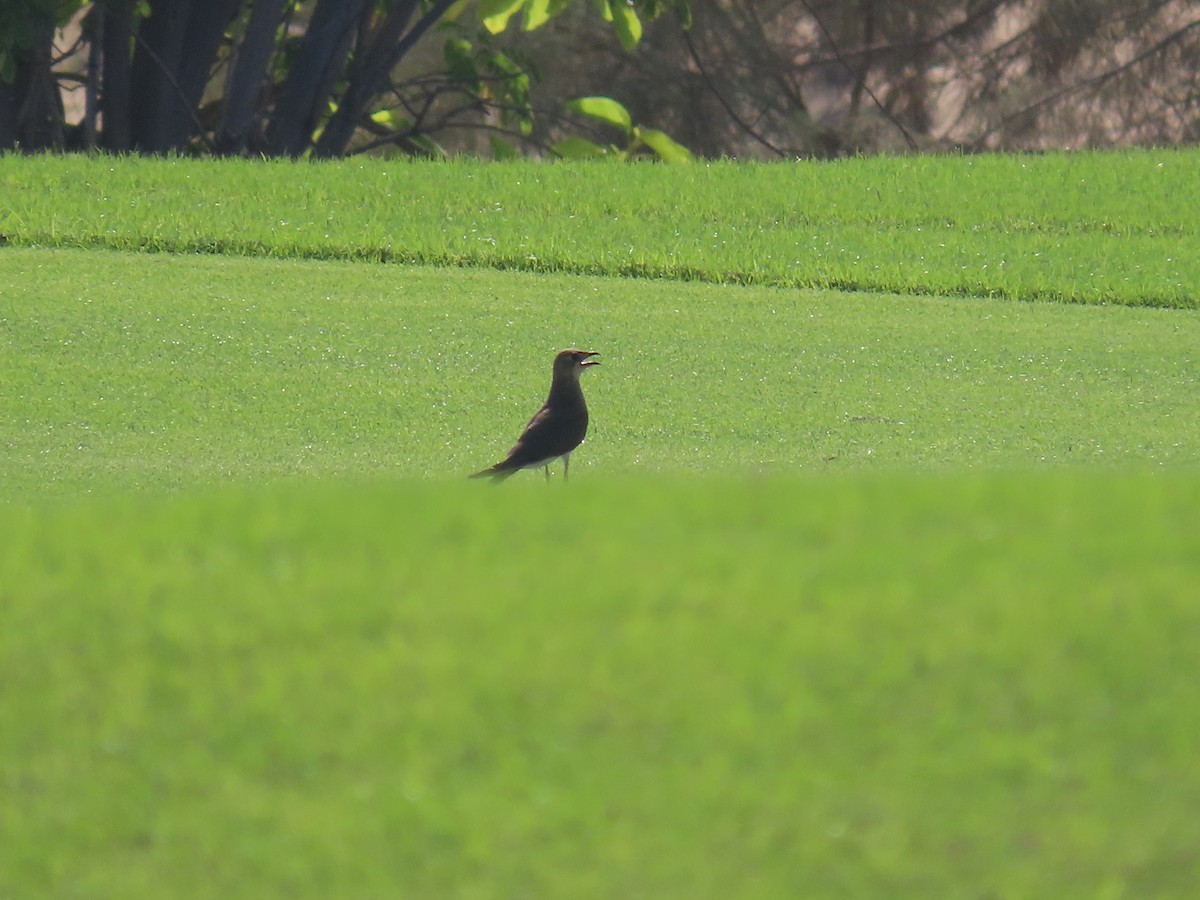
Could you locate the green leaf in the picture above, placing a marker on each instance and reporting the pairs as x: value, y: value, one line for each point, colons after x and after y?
x: 512, y: 88
x: 605, y: 109
x: 460, y: 61
x: 578, y: 148
x: 625, y: 20
x: 389, y: 118
x: 667, y: 149
x: 454, y: 12
x: 537, y: 14
x: 496, y: 13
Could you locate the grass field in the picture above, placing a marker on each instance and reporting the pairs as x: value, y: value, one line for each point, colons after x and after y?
x: 853, y: 593
x: 903, y: 686
x: 277, y: 368
x: 1093, y: 228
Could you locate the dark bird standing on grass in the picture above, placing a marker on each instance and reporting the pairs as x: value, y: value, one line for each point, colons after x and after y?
x: 558, y: 427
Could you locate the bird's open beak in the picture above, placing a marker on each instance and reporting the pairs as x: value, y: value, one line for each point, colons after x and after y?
x: 589, y: 361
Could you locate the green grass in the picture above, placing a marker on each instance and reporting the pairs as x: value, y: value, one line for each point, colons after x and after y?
x: 868, y: 686
x: 851, y: 594
x: 1095, y: 228
x: 158, y: 371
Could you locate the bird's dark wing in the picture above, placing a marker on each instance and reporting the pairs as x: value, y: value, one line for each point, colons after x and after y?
x: 549, y: 434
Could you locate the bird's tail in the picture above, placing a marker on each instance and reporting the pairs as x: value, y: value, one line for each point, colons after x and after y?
x: 497, y: 472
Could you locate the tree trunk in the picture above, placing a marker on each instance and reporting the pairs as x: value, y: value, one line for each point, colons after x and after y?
x: 203, y: 33
x: 305, y: 94
x: 31, y: 111
x: 248, y: 77
x: 367, y: 70
x: 9, y: 104
x: 154, y: 89
x: 177, y: 44
x: 114, y: 75
x: 368, y: 77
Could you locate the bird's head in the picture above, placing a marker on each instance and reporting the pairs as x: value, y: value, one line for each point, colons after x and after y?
x: 571, y: 363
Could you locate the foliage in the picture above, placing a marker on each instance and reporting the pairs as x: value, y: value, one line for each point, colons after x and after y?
x: 23, y: 24
x: 766, y: 78
x: 281, y: 78
x: 612, y: 113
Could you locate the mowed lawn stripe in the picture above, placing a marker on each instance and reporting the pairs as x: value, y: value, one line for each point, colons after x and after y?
x: 130, y: 370
x: 1086, y: 227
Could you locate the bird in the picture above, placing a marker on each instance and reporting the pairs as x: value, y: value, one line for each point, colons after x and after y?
x: 557, y: 428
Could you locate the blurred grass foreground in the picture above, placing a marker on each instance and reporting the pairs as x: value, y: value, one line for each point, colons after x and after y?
x: 643, y: 686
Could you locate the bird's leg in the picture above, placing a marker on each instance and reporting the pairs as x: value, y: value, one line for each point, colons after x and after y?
x: 566, y: 466
x: 547, y: 473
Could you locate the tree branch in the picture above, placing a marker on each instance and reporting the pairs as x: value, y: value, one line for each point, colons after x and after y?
x: 732, y: 113
x: 912, y: 144
x: 1094, y: 81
